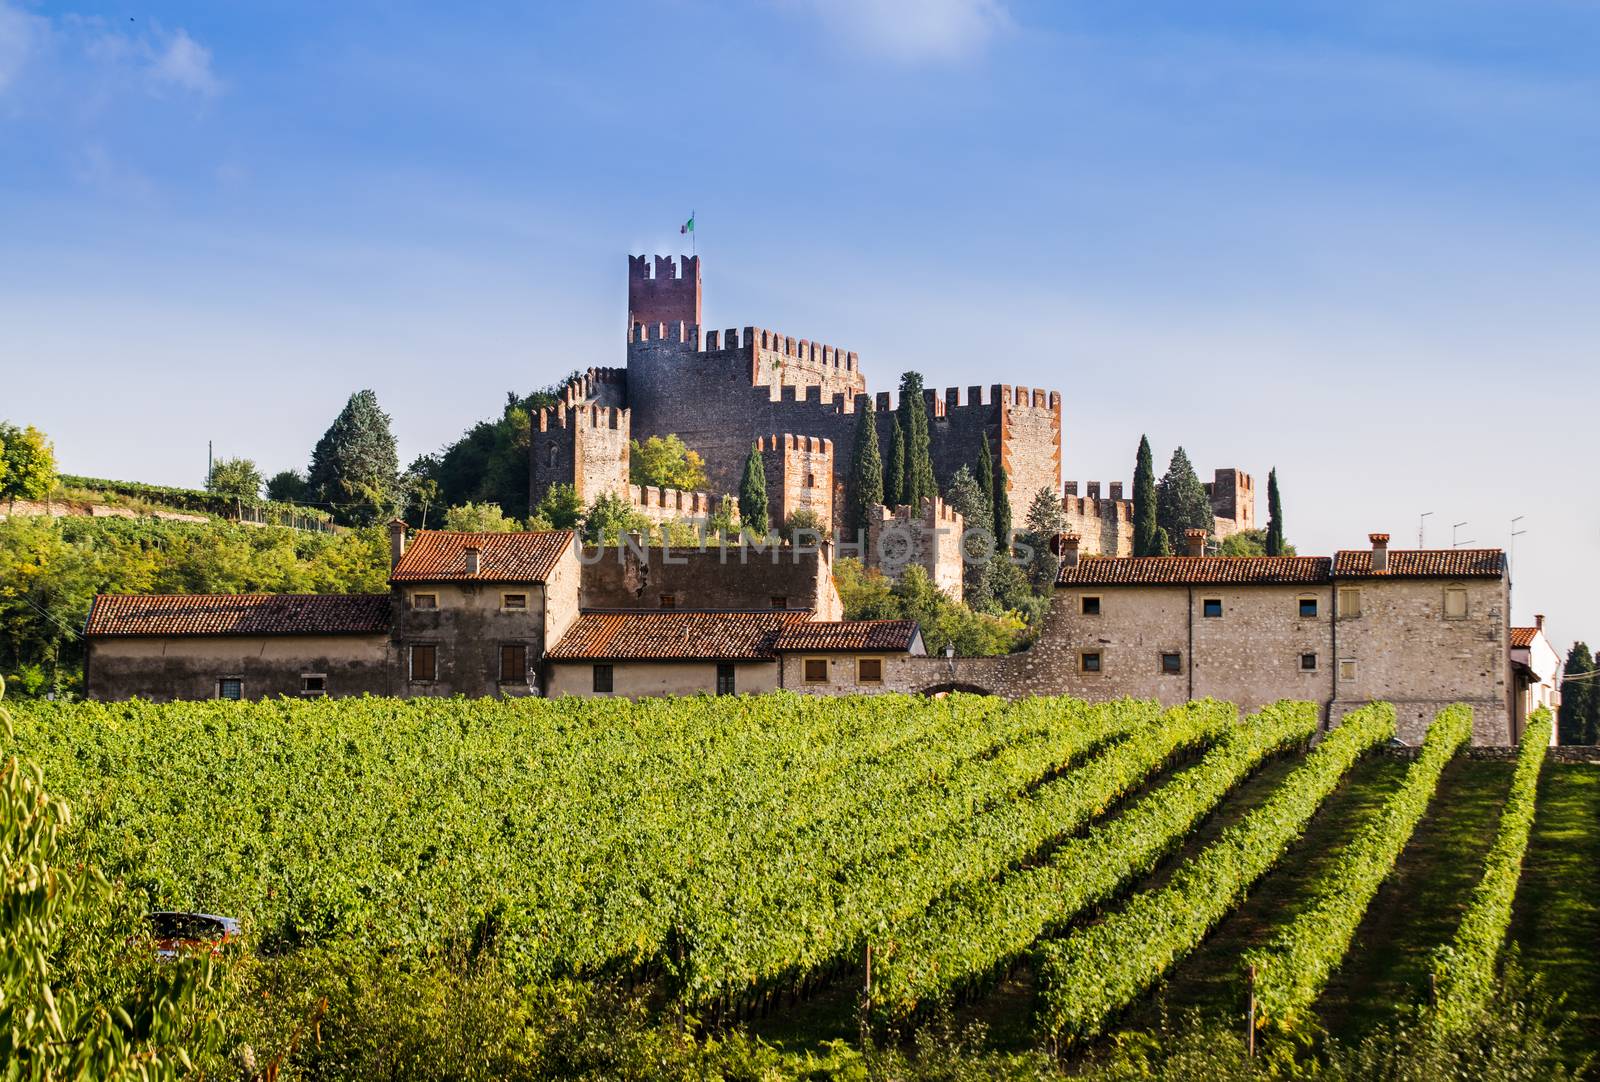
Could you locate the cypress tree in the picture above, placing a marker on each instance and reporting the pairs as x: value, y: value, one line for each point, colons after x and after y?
x: 1002, y: 515
x: 1181, y: 500
x: 894, y: 475
x: 1162, y: 545
x: 1274, y: 515
x: 1576, y: 721
x: 355, y: 468
x: 986, y: 471
x: 1144, y: 501
x: 866, y: 473
x: 753, y: 495
x: 919, y: 484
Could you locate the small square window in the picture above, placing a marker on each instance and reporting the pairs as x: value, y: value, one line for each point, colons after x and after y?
x: 230, y: 688
x: 602, y: 678
x: 424, y: 662
x: 779, y: 601
x: 1308, y: 608
x: 513, y: 663
x: 725, y: 679
x: 669, y: 601
x: 1171, y: 663
x: 1455, y: 604
x: 1211, y: 607
x: 1349, y: 603
x: 424, y: 601
x: 869, y: 670
x: 516, y: 602
x: 313, y: 684
x: 1308, y: 662
x: 1091, y: 606
x: 1347, y: 668
x: 1089, y: 661
x: 816, y: 670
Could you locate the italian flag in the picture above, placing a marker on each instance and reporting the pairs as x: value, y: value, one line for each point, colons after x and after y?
x: 687, y: 227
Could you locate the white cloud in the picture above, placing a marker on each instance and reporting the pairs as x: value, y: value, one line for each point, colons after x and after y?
x: 913, y: 30
x: 20, y: 34
x: 186, y: 64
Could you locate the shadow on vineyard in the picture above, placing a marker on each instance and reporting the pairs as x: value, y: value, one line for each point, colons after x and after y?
x: 696, y: 888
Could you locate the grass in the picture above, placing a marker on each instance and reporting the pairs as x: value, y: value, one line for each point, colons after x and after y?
x: 1420, y: 904
x: 1555, y: 924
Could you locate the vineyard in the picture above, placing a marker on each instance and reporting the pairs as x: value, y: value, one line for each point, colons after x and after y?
x: 805, y: 870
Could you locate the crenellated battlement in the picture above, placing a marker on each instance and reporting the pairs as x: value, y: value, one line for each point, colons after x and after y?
x: 670, y: 294
x: 752, y: 340
x: 639, y: 269
x: 790, y: 442
x: 592, y: 386
x: 586, y: 415
x: 943, y: 406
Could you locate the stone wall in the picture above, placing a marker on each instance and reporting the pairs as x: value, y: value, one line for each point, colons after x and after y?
x: 1105, y: 525
x: 58, y: 509
x: 725, y: 578
x: 467, y: 628
x: 585, y: 446
x: 898, y: 538
x: 637, y: 679
x: 165, y: 669
x: 799, y: 477
x: 666, y: 296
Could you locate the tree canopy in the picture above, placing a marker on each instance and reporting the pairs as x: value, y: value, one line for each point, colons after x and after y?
x: 666, y: 462
x: 237, y: 477
x: 1181, y: 500
x: 480, y: 518
x: 1274, y: 544
x: 355, y: 469
x: 753, y: 514
x: 894, y: 474
x: 27, y: 463
x: 865, y: 488
x: 919, y: 484
x: 1579, y: 719
x: 1144, y: 501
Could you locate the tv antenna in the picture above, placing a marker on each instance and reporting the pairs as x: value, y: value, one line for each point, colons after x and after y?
x: 1422, y: 529
x: 1454, y: 542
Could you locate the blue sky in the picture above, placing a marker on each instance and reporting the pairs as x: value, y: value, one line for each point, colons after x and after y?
x: 1354, y: 240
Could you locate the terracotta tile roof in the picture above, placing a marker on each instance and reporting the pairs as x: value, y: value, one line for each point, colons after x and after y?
x: 823, y: 635
x: 1522, y: 637
x: 1195, y: 571
x: 1422, y: 563
x: 441, y: 556
x: 239, y: 614
x: 674, y: 636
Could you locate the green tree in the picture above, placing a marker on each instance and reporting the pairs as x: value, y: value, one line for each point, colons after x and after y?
x: 1046, y: 522
x: 559, y: 509
x: 492, y: 460
x: 865, y: 490
x: 1162, y: 545
x: 354, y: 467
x: 287, y: 486
x: 986, y: 474
x: 1144, y: 501
x: 1576, y: 723
x: 480, y: 518
x: 966, y: 497
x: 237, y: 478
x: 804, y: 525
x: 919, y: 484
x: 1181, y: 500
x: 1275, y: 544
x: 753, y: 513
x: 665, y: 462
x: 894, y: 474
x: 1248, y: 543
x: 609, y: 517
x: 29, y: 472
x: 1002, y: 513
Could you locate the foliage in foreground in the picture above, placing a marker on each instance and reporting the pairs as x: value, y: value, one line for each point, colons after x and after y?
x: 1292, y: 969
x: 1464, y: 969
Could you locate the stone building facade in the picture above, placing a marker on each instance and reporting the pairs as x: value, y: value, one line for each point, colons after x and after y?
x: 930, y: 538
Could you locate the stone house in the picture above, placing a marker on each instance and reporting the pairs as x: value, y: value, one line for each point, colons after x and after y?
x: 1535, y: 675
x: 237, y: 646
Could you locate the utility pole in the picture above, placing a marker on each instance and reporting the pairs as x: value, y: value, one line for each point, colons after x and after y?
x: 1422, y: 529
x: 209, y: 465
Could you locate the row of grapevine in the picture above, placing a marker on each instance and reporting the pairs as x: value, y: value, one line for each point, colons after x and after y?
x: 1095, y: 972
x: 1292, y: 969
x: 1464, y: 969
x: 768, y: 937
x: 978, y: 931
x: 734, y: 842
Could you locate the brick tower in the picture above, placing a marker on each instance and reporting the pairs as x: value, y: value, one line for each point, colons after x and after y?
x: 666, y: 296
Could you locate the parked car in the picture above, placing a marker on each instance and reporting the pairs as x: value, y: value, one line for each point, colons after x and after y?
x: 191, y: 933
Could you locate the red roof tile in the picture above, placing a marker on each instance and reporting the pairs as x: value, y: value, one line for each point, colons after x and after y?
x: 1522, y: 637
x: 441, y: 556
x: 1422, y: 563
x: 824, y: 635
x: 1195, y: 571
x: 674, y: 636
x: 239, y: 614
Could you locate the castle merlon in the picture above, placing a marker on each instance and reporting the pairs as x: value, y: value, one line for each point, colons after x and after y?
x: 751, y: 340
x: 665, y: 268
x: 791, y: 442
x: 582, y: 415
x: 590, y: 384
x: 1000, y: 394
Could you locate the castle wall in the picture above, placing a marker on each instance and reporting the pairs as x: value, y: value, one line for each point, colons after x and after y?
x: 1233, y: 501
x: 665, y: 296
x: 799, y: 475
x: 929, y: 538
x: 584, y: 446
x: 731, y: 578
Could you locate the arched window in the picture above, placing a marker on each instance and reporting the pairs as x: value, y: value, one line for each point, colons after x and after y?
x: 550, y: 453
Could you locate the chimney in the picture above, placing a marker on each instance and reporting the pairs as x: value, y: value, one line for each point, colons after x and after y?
x: 1380, y: 551
x: 1538, y: 621
x: 1196, y: 539
x: 1068, y: 548
x: 472, y: 559
x: 397, y: 542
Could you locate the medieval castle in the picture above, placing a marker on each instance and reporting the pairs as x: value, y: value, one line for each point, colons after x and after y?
x: 721, y: 392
